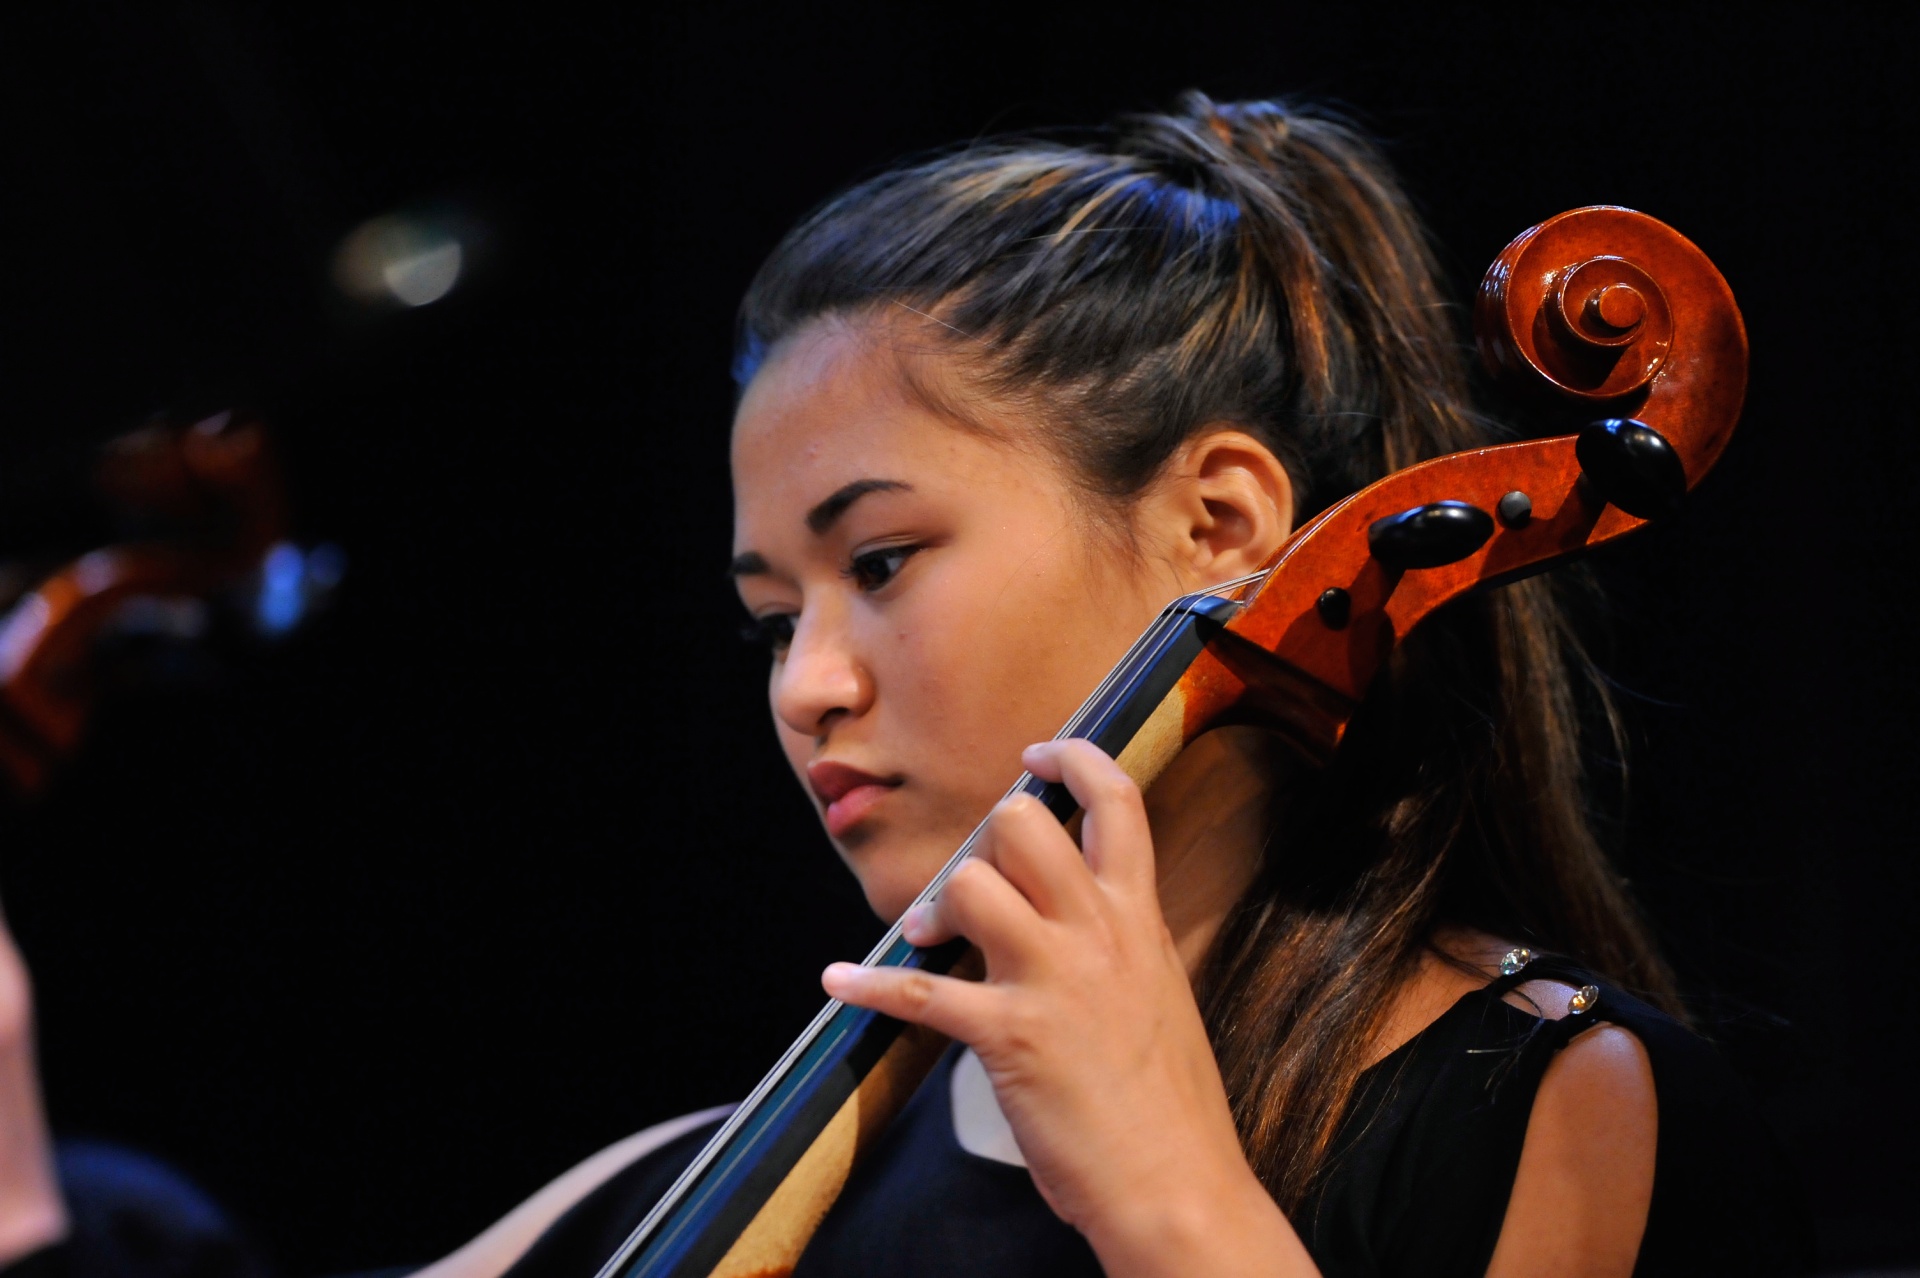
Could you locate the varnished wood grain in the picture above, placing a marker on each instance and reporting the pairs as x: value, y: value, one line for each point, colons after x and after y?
x: 1684, y: 375
x: 1158, y: 741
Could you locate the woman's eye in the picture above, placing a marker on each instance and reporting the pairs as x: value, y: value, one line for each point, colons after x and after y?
x: 773, y: 631
x: 875, y: 568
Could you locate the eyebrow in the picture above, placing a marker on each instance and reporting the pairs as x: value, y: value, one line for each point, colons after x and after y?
x: 751, y: 564
x: 820, y: 518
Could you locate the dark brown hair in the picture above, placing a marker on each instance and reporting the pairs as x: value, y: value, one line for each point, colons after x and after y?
x: 1258, y: 264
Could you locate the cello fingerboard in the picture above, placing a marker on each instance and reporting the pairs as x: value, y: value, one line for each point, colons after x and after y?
x: 752, y: 1199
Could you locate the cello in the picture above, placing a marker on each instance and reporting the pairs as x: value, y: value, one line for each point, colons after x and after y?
x: 1612, y: 313
x: 211, y: 553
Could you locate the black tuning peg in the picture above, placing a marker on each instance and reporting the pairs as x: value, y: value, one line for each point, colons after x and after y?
x: 1440, y: 532
x: 1633, y: 466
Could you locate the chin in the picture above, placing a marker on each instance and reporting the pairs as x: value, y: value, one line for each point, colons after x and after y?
x: 892, y: 877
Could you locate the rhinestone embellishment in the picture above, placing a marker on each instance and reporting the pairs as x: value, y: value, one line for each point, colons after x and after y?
x: 1515, y: 959
x: 1583, y: 999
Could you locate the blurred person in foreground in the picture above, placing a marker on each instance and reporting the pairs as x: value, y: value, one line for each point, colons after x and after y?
x: 87, y: 1209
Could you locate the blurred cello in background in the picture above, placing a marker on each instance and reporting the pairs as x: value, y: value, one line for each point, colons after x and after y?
x: 204, y: 560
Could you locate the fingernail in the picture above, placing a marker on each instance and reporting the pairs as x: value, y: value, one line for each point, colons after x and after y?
x: 915, y: 920
x: 840, y: 976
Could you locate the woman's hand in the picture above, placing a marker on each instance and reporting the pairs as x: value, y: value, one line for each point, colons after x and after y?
x: 1086, y: 1024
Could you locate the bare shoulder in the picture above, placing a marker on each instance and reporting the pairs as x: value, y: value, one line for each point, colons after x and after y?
x: 508, y: 1238
x: 1585, y: 1179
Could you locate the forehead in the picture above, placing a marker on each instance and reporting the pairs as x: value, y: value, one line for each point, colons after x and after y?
x: 832, y: 406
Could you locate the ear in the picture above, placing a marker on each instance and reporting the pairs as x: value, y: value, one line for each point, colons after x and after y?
x: 1221, y: 509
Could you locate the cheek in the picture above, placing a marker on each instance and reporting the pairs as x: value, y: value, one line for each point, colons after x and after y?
x: 983, y: 685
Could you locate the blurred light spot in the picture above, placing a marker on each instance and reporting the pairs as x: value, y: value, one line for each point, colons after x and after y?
x: 404, y: 258
x: 20, y: 633
x: 293, y: 582
x: 98, y: 570
x: 426, y: 276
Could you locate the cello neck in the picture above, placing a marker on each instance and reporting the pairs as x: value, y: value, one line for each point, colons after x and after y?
x: 751, y: 1200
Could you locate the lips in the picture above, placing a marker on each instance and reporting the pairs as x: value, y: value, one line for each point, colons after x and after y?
x: 848, y: 793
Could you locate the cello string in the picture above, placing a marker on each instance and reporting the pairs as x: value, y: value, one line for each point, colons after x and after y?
x: 1150, y: 645
x: 1158, y: 637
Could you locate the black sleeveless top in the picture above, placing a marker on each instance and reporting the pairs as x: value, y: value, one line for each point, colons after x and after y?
x: 1417, y: 1183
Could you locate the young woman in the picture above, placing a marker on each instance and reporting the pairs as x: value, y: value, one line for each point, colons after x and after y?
x: 997, y: 408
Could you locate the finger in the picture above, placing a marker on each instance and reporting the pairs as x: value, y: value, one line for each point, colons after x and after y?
x: 926, y: 926
x: 959, y: 1009
x: 979, y: 904
x: 1028, y: 845
x: 1114, y: 835
x: 976, y: 902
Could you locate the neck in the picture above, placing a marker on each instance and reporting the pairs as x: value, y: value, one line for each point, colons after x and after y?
x: 1211, y: 812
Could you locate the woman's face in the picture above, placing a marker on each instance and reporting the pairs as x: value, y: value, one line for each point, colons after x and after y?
x: 934, y: 597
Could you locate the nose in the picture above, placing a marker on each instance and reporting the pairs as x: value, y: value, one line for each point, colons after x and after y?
x: 821, y: 679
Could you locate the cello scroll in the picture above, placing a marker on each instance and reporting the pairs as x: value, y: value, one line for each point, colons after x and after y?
x: 1603, y: 307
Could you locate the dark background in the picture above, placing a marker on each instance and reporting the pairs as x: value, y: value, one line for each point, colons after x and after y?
x: 384, y: 926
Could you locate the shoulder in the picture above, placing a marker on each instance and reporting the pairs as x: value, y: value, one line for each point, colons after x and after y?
x: 1475, y: 1129
x: 1584, y: 1185
x: 1546, y: 1124
x: 489, y: 1254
